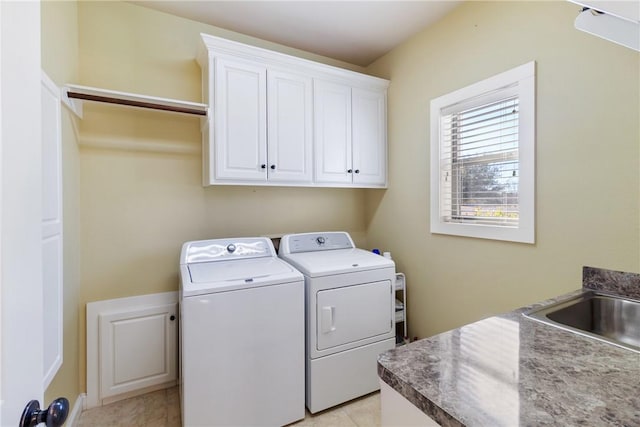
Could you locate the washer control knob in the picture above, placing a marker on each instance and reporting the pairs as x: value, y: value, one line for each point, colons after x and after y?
x: 320, y: 240
x: 231, y: 248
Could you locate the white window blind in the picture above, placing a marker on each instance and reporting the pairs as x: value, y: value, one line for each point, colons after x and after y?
x: 479, y: 164
x: 483, y: 158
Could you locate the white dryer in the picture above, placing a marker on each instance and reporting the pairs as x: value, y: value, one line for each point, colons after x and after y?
x: 349, y: 314
x: 242, y: 335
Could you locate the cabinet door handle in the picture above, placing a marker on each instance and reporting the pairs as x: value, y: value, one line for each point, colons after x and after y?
x: 350, y: 171
x: 263, y: 166
x: 273, y: 167
x: 357, y: 170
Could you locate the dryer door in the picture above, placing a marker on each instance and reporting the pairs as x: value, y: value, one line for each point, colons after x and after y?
x: 352, y: 313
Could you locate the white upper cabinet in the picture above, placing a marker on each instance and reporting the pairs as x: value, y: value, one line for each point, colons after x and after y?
x: 262, y: 124
x: 369, y: 137
x: 279, y: 120
x: 350, y: 135
x: 239, y: 121
x: 332, y: 110
x: 289, y: 118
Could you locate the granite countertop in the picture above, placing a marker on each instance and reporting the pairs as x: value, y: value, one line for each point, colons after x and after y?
x: 509, y: 370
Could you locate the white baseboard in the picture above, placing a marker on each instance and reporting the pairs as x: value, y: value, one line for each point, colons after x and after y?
x: 74, y: 416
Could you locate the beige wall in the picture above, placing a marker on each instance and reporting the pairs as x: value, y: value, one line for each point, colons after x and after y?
x: 60, y: 62
x: 137, y: 195
x: 139, y: 205
x: 588, y: 146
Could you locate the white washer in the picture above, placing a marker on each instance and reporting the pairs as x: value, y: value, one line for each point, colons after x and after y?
x: 349, y: 314
x: 242, y: 335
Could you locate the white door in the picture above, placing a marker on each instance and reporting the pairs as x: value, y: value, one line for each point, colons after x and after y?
x: 51, y: 229
x: 369, y: 115
x: 290, y: 124
x: 240, y: 120
x: 332, y: 126
x: 21, y: 348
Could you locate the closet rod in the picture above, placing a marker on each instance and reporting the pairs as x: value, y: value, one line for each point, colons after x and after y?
x: 131, y: 103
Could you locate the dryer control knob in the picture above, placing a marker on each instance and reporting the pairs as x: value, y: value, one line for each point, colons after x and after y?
x: 320, y: 240
x: 231, y: 248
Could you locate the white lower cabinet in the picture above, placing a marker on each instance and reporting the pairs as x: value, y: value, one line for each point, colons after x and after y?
x: 138, y: 349
x: 273, y: 118
x: 397, y: 411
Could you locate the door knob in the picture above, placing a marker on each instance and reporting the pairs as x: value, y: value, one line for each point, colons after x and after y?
x: 54, y: 416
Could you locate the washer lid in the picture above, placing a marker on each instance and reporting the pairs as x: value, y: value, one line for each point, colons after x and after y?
x: 222, y: 250
x: 209, y: 277
x: 323, y: 263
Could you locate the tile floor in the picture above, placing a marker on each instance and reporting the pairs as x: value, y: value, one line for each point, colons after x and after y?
x: 162, y: 409
x: 157, y: 409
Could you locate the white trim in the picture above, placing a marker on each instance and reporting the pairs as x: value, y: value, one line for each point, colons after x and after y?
x: 524, y: 77
x: 74, y: 416
x: 287, y: 63
x: 1, y: 210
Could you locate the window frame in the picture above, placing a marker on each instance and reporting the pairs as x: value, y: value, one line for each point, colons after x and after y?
x: 520, y: 80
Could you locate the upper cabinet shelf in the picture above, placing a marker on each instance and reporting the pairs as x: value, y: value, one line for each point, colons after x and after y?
x: 74, y: 95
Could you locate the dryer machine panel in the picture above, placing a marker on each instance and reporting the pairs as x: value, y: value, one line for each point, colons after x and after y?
x: 352, y: 313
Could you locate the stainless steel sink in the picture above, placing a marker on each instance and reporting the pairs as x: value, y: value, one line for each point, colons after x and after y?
x: 606, y: 318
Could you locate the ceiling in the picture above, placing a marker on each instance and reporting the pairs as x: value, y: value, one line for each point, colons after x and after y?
x: 357, y: 32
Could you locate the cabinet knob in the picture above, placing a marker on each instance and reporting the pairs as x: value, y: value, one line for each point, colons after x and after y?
x: 263, y: 166
x: 273, y: 167
x: 357, y: 170
x: 349, y: 170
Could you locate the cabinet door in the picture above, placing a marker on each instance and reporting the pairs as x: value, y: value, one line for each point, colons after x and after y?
x: 240, y: 125
x: 289, y: 133
x: 369, y: 115
x: 332, y: 130
x: 138, y: 349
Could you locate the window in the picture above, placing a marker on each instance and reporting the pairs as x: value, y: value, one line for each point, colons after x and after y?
x: 483, y: 158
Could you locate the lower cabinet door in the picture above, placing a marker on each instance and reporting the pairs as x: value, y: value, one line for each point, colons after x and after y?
x: 137, y: 349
